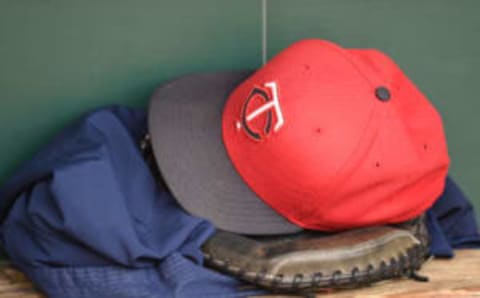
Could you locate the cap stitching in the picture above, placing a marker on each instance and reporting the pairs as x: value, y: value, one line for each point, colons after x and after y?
x: 336, y: 181
x: 351, y: 60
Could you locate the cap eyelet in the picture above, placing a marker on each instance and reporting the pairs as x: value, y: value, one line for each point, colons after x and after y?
x: 382, y: 93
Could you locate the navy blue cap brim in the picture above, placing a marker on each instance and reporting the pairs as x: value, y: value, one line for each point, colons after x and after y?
x: 185, y: 123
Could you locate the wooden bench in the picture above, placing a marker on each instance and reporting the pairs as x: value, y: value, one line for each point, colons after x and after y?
x: 459, y: 277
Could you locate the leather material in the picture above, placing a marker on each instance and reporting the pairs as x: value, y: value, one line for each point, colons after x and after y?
x: 311, y: 260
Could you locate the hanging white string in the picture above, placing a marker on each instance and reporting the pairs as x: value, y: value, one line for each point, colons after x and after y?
x: 264, y: 31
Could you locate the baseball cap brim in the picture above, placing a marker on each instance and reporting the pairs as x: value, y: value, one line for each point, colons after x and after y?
x: 185, y: 124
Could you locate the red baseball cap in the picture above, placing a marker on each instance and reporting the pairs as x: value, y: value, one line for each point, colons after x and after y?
x: 321, y: 138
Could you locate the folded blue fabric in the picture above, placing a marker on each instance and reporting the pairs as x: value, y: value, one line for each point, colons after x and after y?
x: 86, y: 218
x: 451, y: 222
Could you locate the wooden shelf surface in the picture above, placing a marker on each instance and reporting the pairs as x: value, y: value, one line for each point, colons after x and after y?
x: 458, y: 277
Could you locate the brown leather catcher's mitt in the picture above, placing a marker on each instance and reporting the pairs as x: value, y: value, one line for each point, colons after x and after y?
x: 310, y: 261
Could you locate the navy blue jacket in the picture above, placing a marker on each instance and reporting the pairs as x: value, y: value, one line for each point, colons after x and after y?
x: 86, y: 218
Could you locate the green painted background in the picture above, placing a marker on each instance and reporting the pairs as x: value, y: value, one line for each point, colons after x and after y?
x: 59, y: 59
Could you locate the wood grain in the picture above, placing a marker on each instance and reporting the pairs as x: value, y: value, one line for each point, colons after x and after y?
x: 14, y: 284
x: 459, y: 277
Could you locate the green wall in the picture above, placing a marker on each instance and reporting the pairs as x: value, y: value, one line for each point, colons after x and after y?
x: 59, y: 59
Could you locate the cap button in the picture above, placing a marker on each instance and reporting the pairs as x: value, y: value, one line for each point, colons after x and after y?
x: 382, y: 93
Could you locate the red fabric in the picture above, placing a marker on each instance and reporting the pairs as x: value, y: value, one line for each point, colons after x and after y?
x: 342, y: 158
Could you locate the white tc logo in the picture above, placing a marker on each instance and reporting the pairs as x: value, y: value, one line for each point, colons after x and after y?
x: 271, y: 103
